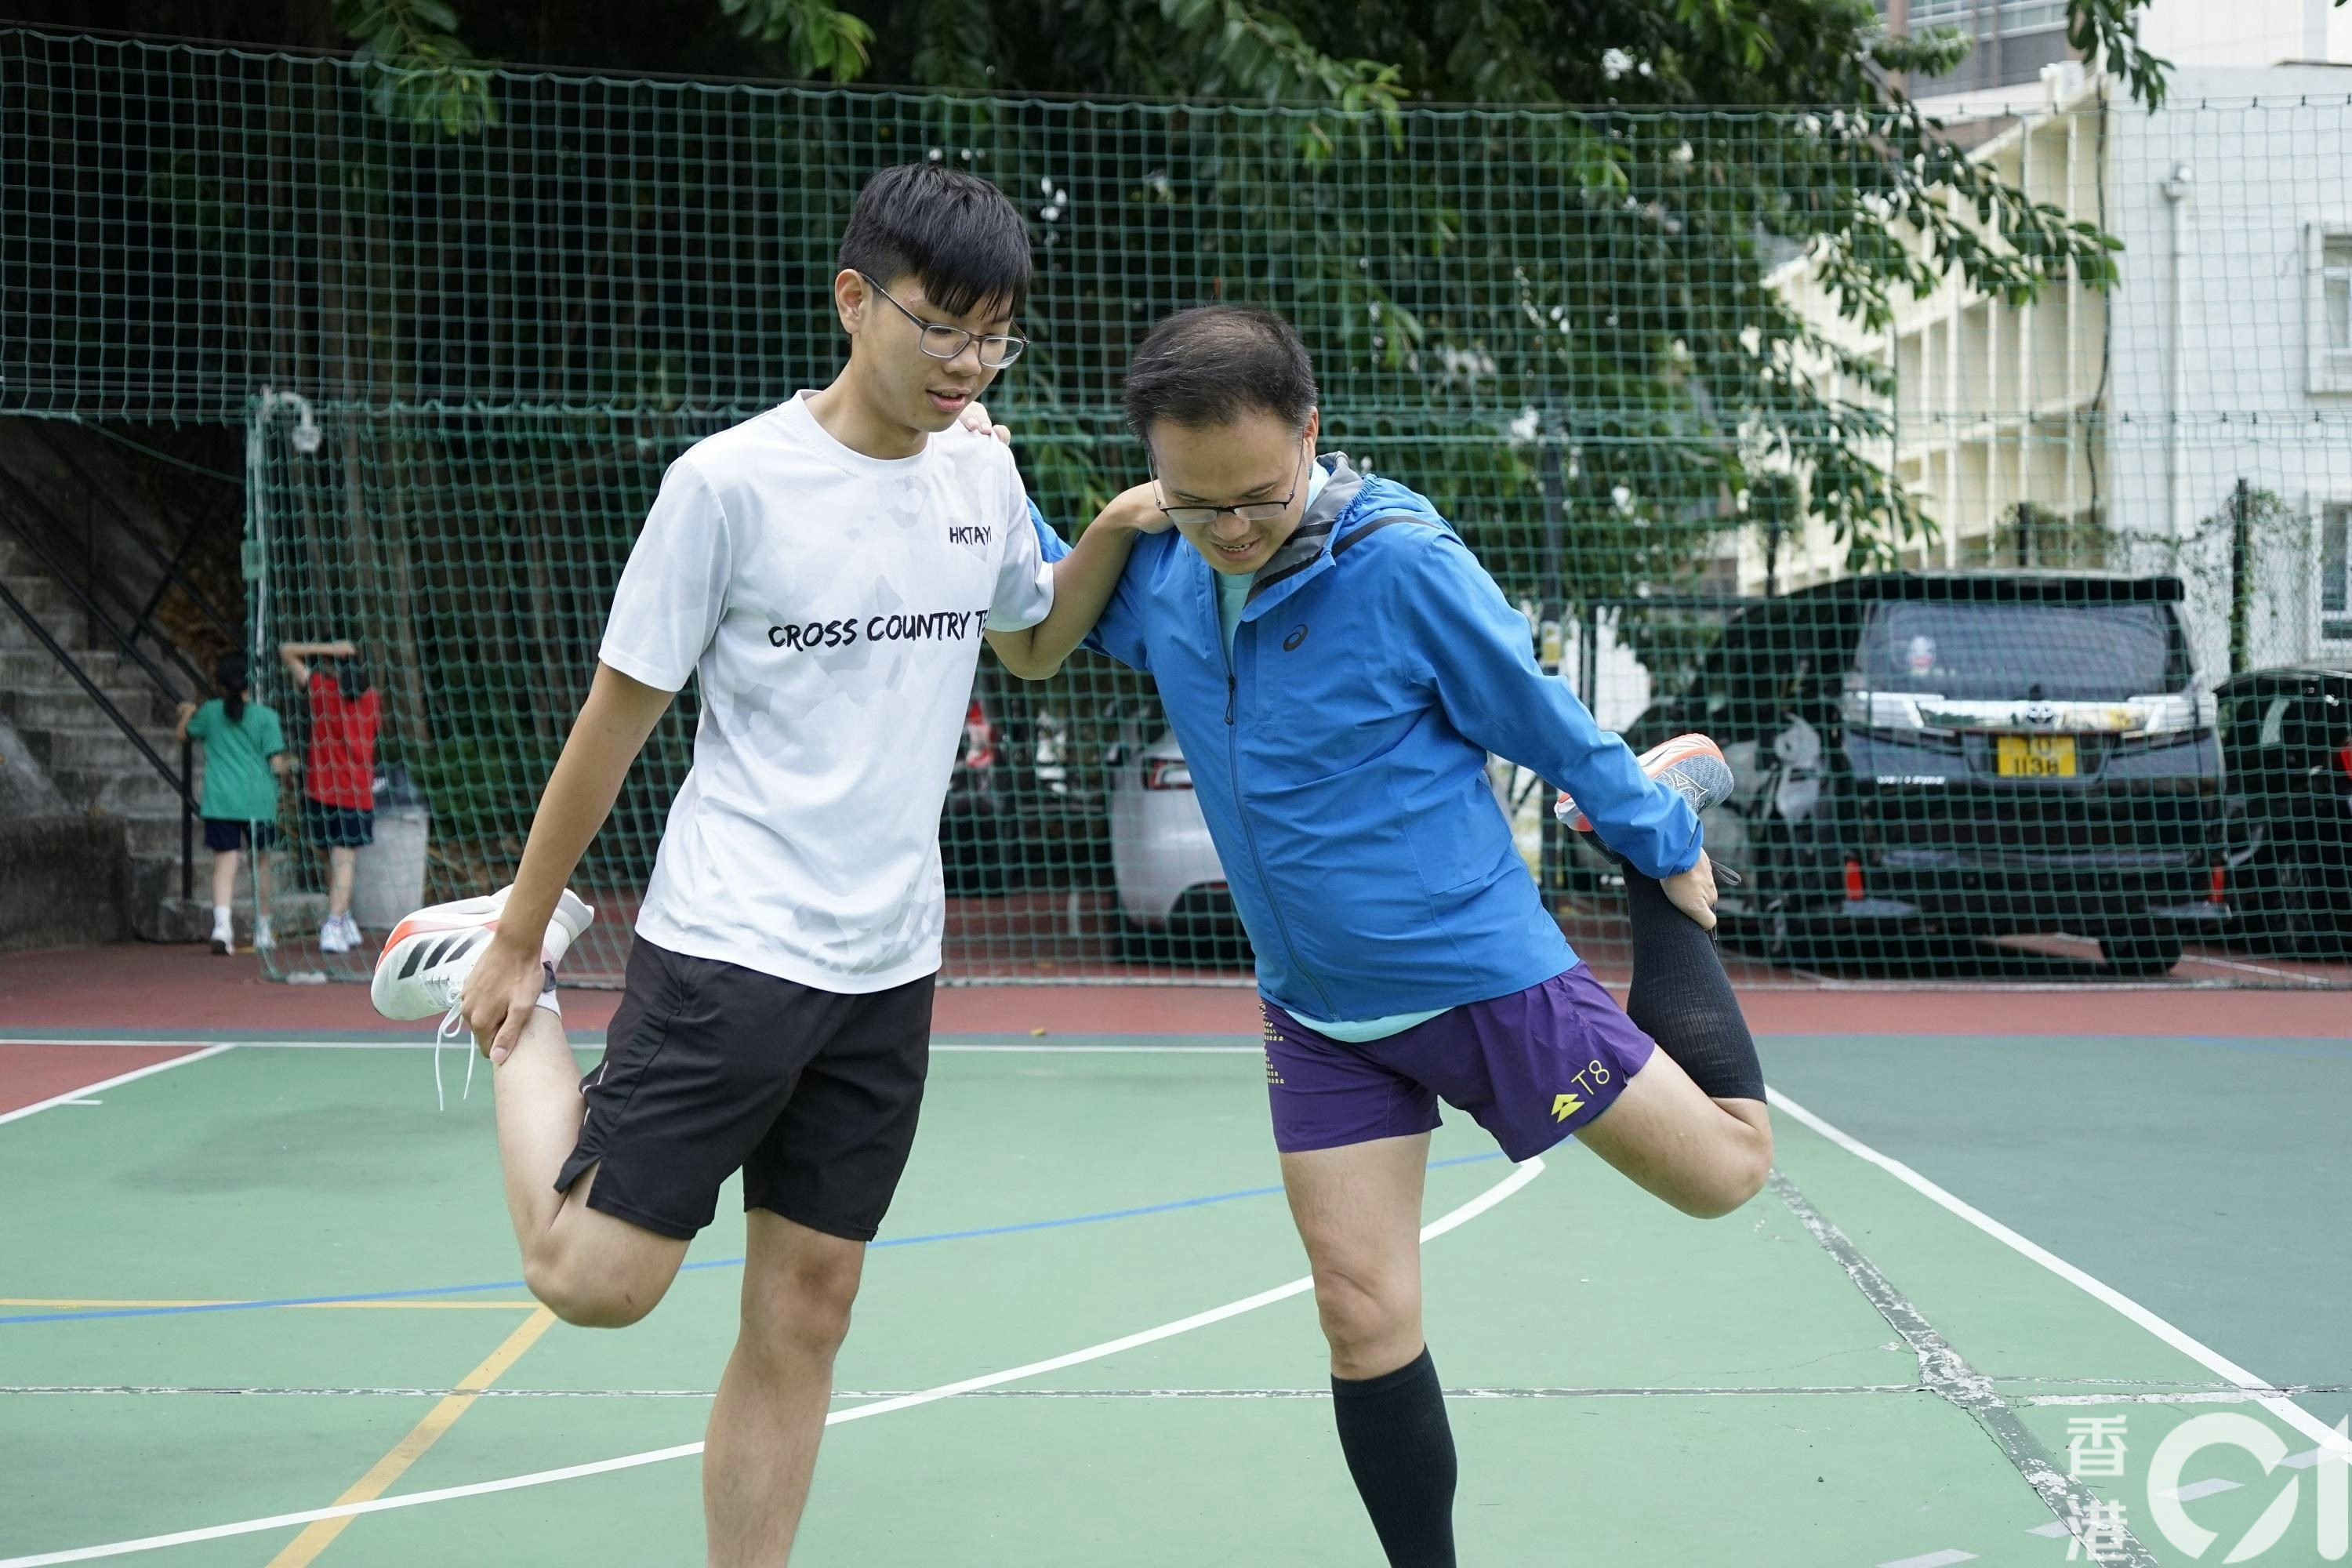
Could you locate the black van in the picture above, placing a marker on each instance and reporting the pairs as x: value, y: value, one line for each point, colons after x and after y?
x: 2286, y: 740
x: 1969, y: 755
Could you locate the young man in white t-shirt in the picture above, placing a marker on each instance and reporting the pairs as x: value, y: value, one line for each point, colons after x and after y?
x: 826, y: 570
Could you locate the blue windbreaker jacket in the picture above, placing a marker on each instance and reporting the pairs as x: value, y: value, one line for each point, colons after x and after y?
x: 1341, y: 762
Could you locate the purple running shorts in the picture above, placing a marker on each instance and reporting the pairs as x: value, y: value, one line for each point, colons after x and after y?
x: 1530, y: 1069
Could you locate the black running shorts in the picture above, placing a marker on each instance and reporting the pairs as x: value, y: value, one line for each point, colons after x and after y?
x: 711, y: 1068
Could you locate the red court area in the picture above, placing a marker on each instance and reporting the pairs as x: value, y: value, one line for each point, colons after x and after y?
x: 148, y: 990
x: 33, y: 1074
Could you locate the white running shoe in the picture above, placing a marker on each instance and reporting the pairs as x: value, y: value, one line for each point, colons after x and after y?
x: 422, y: 968
x: 336, y: 934
x: 1691, y: 766
x: 263, y: 941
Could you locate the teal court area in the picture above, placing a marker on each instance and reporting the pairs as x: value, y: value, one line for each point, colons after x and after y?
x: 261, y: 1309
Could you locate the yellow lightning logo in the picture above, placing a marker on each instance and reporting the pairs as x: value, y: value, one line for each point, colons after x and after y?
x: 1565, y: 1106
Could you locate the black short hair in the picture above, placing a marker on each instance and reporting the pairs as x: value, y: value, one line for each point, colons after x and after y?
x: 231, y: 674
x: 351, y: 677
x: 1209, y: 366
x: 955, y: 233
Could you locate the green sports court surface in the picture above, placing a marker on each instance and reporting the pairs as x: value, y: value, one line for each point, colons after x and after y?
x: 262, y: 1309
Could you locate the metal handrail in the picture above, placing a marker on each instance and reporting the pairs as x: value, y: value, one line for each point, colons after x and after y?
x: 170, y: 568
x: 140, y: 621
x: 181, y: 786
x: 130, y: 645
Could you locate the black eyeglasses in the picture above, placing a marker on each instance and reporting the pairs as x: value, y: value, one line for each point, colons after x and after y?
x: 941, y: 341
x: 1248, y: 512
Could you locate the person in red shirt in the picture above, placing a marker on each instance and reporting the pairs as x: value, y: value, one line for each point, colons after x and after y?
x: 338, y: 771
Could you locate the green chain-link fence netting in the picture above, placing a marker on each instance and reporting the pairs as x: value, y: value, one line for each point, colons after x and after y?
x: 1610, y: 346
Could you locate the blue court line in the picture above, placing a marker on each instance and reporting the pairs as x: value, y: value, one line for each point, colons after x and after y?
x: 85, y: 1316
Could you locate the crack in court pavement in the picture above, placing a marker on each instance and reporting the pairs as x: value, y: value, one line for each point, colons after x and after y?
x: 1944, y: 1373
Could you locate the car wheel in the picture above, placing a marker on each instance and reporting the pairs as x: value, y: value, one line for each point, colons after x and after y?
x: 2295, y: 908
x: 2141, y: 956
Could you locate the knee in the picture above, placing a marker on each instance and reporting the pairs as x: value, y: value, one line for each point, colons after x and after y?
x: 1363, y: 1317
x: 1736, y: 1176
x: 804, y: 1310
x: 585, y: 1297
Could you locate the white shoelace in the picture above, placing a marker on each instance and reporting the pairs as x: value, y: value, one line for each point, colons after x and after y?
x: 452, y: 1022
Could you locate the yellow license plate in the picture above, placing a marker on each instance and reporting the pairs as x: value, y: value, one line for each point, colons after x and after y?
x: 2034, y: 756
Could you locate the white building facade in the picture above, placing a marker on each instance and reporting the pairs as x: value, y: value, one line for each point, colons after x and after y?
x: 2116, y: 428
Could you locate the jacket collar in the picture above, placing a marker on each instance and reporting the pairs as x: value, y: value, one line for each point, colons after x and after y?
x: 1310, y: 545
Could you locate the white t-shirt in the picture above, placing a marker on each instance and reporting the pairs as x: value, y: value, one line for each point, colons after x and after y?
x: 832, y: 605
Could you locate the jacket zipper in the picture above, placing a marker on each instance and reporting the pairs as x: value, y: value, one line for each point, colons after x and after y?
x: 1249, y: 829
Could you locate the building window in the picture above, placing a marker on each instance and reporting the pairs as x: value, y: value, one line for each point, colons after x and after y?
x: 2335, y: 574
x: 2012, y: 39
x: 1986, y: 18
x: 2328, y: 253
x: 1927, y: 14
x: 2336, y: 286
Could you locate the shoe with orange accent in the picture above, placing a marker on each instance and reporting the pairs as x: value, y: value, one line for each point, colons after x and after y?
x: 1690, y: 765
x: 425, y: 962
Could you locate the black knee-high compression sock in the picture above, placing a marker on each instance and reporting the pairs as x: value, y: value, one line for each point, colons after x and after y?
x: 1400, y: 1448
x: 1681, y: 998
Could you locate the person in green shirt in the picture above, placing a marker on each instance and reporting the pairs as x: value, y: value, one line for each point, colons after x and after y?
x: 245, y: 756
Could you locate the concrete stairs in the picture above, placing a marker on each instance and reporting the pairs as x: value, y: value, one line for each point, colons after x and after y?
x: 97, y: 769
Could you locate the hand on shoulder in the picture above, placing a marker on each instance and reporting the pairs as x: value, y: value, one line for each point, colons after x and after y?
x: 1135, y: 508
x: 977, y: 419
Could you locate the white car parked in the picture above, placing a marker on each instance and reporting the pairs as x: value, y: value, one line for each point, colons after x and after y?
x: 1171, y: 884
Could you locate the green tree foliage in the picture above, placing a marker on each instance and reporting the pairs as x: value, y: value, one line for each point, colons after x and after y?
x: 1676, y: 375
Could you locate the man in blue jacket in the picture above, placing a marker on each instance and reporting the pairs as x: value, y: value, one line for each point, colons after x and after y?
x: 1337, y: 667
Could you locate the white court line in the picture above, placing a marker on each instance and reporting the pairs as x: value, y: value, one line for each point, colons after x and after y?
x: 2286, y: 1410
x: 72, y: 1095
x: 1495, y: 1194
x: 424, y: 1043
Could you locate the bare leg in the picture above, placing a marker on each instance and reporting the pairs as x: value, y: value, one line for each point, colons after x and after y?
x: 1358, y: 1209
x: 224, y: 877
x: 340, y: 863
x: 1706, y: 1157
x: 762, y: 1445
x: 261, y: 881
x: 591, y: 1269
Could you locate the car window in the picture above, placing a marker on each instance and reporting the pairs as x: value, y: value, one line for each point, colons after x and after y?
x: 1773, y: 659
x: 1998, y: 651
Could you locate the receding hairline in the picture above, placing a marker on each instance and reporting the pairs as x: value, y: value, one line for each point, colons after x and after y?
x: 1198, y: 428
x: 1211, y: 364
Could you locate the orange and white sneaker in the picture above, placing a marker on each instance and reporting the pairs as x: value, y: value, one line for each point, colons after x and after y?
x: 422, y: 968
x: 1690, y: 765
